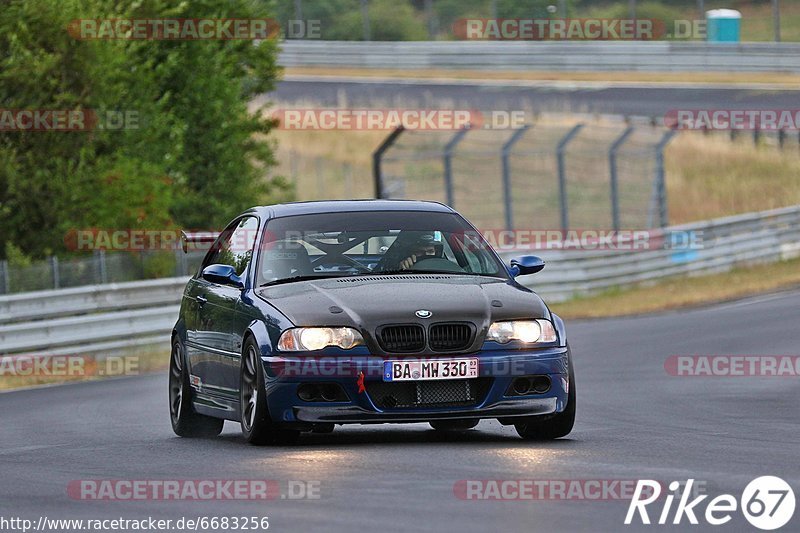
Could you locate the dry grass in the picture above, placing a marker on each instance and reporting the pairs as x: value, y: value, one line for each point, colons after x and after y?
x: 776, y: 78
x: 757, y: 22
x: 709, y: 177
x: 681, y: 292
x: 318, y: 161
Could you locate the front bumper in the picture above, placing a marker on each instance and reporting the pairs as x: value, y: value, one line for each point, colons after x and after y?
x: 499, y: 367
x: 354, y: 414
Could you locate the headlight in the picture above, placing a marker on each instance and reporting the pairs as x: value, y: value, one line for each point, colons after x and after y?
x: 309, y: 339
x: 528, y: 331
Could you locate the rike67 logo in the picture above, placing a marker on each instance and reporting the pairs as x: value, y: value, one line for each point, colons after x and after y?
x: 767, y: 503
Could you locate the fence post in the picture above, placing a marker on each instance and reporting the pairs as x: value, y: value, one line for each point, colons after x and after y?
x: 318, y: 162
x: 660, y: 184
x: 180, y: 263
x: 365, y: 20
x: 377, y: 157
x: 102, y: 271
x: 5, y: 277
x: 448, y: 163
x: 347, y: 169
x: 612, y: 163
x: 293, y: 166
x: 430, y: 19
x: 562, y: 174
x: 54, y: 268
x: 509, y: 144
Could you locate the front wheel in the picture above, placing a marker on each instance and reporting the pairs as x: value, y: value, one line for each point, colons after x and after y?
x: 548, y: 427
x: 185, y: 421
x: 257, y: 427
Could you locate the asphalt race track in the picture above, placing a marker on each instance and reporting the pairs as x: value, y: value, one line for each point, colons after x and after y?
x: 634, y: 421
x: 653, y: 99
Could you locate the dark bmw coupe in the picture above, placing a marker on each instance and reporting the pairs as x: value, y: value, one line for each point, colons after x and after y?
x: 307, y: 315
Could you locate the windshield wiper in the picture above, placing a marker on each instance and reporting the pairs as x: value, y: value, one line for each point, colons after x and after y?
x: 297, y: 278
x: 410, y: 272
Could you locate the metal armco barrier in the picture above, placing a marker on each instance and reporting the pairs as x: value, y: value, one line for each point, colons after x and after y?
x: 109, y: 318
x: 97, y: 318
x: 761, y: 237
x: 546, y: 55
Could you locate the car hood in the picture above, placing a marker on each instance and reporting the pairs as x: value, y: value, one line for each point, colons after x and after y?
x: 368, y: 302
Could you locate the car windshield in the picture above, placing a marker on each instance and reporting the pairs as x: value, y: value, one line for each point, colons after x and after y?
x: 303, y: 247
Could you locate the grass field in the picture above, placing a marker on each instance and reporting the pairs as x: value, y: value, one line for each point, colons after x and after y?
x: 710, y: 177
x: 757, y: 21
x: 772, y: 78
x: 684, y: 292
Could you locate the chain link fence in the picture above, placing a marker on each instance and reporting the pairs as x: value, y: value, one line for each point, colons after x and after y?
x: 545, y: 176
x: 98, y: 268
x: 562, y: 174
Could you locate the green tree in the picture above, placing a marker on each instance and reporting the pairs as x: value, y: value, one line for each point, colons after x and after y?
x: 197, y: 157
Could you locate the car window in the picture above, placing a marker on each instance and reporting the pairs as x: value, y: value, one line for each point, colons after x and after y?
x: 234, y: 246
x: 473, y: 250
x: 360, y: 243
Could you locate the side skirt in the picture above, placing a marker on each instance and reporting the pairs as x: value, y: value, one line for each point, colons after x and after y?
x: 215, y: 406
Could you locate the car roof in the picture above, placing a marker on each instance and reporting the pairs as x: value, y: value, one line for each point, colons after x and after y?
x: 344, y: 206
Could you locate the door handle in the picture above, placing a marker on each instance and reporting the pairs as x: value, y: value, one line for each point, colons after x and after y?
x: 201, y: 300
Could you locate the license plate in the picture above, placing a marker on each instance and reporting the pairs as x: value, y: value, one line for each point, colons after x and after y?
x: 428, y: 370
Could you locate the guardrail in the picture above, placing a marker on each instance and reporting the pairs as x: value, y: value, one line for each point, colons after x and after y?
x: 115, y: 317
x: 90, y: 299
x: 97, y: 318
x: 545, y: 55
x: 761, y: 237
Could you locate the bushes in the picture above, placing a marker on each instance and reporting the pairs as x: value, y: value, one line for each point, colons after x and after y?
x: 405, y: 20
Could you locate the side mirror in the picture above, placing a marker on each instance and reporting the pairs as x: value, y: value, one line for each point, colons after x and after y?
x: 527, y: 264
x: 222, y: 274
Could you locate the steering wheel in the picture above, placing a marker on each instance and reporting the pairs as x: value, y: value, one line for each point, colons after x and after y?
x: 436, y: 263
x: 328, y: 259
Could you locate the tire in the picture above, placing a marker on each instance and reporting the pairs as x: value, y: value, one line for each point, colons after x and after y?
x: 185, y: 421
x: 548, y: 427
x: 454, y: 425
x: 257, y: 426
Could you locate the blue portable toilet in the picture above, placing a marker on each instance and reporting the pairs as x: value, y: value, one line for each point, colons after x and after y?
x: 723, y: 26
